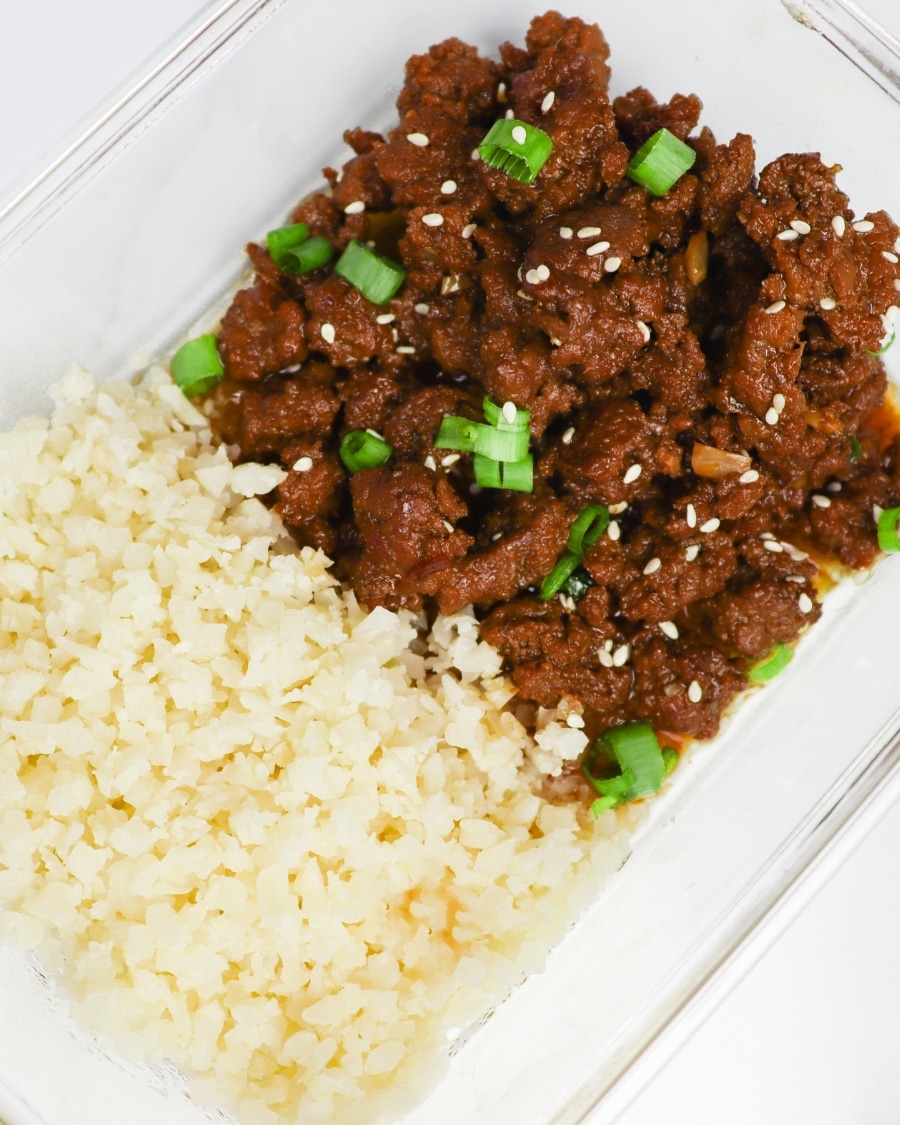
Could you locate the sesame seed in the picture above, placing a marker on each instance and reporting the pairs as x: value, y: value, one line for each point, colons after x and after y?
x: 632, y: 474
x: 750, y: 477
x: 620, y: 656
x: 568, y: 435
x: 618, y: 509
x: 501, y: 92
x: 405, y: 349
x: 385, y: 318
x: 555, y: 341
x: 433, y: 219
x: 645, y: 331
x: 327, y: 333
x: 605, y: 659
x: 608, y: 644
x: 421, y: 308
x: 670, y: 629
x: 897, y: 284
x: 787, y: 235
x: 448, y: 525
x: 776, y: 306
x: 888, y: 256
x: 695, y: 692
x: 519, y: 135
x: 574, y: 720
x: 653, y: 566
x: 805, y: 603
x: 691, y: 515
x: 303, y: 465
x: 834, y: 486
x: 430, y: 463
x: 547, y: 103
x: 497, y: 535
x: 374, y: 433
x: 612, y: 264
x: 863, y: 226
x: 692, y: 552
x: 355, y: 208
x: 821, y: 501
x: 767, y: 535
x: 795, y: 578
x: 588, y: 232
x: 509, y: 117
x: 613, y: 531
x: 773, y: 545
x: 828, y: 303
x: 543, y: 272
x: 565, y: 232
x: 448, y: 187
x: 597, y: 248
x: 533, y: 277
x: 449, y: 460
x: 772, y: 416
x: 838, y: 225
x: 469, y: 229
x: 710, y: 525
x: 476, y: 155
x: 897, y: 246
x: 800, y: 226
x: 796, y: 554
x: 509, y: 411
x: 525, y: 296
x: 418, y: 139
x: 778, y: 402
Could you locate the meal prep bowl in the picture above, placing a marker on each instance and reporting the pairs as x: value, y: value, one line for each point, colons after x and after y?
x: 123, y: 246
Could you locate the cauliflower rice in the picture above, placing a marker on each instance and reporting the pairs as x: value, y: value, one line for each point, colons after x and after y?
x: 251, y: 829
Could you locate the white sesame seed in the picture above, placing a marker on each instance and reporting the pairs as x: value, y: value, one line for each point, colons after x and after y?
x: 588, y: 232
x: 555, y: 341
x: 405, y: 349
x: 565, y: 232
x: 897, y: 284
x: 303, y: 465
x: 805, y: 603
x: 828, y: 303
x: 834, y: 486
x: 421, y: 308
x: 568, y: 435
x: 449, y: 460
x: 886, y: 254
x: 863, y: 226
x: 653, y: 565
x: 750, y: 477
x: 533, y: 277
x: 525, y: 296
x: 448, y: 525
x: 767, y: 535
x: 670, y: 629
x: 448, y: 187
x: 608, y: 644
x: 694, y: 692
x: 645, y: 331
x: 497, y: 535
x: 618, y: 509
x: 773, y: 545
x: 778, y: 402
x: 433, y: 219
x: 821, y: 501
x: 710, y: 525
x: 772, y: 416
x: 430, y: 463
x: 605, y: 658
x: 519, y: 135
x: 574, y: 720
x: 613, y: 531
x: 796, y: 554
x: 691, y: 515
x: 597, y: 248
x: 476, y: 155
x: 612, y: 264
x: 327, y: 333
x: 418, y: 139
x: 501, y: 91
x: 509, y: 116
x: 795, y: 578
x: 800, y: 226
x: 692, y: 552
x: 620, y: 656
x: 787, y: 235
x: 469, y: 229
x: 838, y: 225
x: 385, y: 318
x: 509, y: 411
x: 543, y: 272
x: 547, y: 103
x: 775, y: 307
x: 355, y: 208
x: 632, y: 473
x: 897, y: 246
x: 339, y: 177
x: 374, y: 433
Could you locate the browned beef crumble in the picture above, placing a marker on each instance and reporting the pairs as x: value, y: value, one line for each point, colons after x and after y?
x: 732, y: 314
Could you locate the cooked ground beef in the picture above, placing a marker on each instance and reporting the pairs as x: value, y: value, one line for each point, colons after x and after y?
x: 647, y: 336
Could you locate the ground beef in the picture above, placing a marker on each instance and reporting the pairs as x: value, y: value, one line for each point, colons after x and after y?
x: 648, y: 337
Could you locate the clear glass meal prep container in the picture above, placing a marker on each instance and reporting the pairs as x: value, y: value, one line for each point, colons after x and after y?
x: 134, y: 234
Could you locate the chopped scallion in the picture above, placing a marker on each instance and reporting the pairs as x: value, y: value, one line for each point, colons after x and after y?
x: 502, y: 445
x: 196, y: 366
x: 884, y: 347
x: 363, y: 450
x: 565, y: 566
x: 856, y: 450
x: 589, y: 525
x: 516, y: 148
x: 374, y: 275
x: 888, y: 540
x: 307, y: 256
x: 496, y: 417
x: 636, y: 748
x: 660, y: 162
x: 285, y: 238
x: 774, y: 663
x: 457, y: 433
x: 516, y: 475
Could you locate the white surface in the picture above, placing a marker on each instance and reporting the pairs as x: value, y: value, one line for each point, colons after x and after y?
x: 811, y: 1034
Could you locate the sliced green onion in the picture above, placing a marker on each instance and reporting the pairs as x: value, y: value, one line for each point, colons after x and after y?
x: 374, y: 275
x: 636, y: 749
x: 309, y: 255
x: 775, y: 662
x: 457, y: 433
x: 517, y: 149
x: 196, y: 367
x: 517, y: 475
x: 660, y: 162
x: 495, y: 416
x: 285, y: 238
x: 502, y: 445
x: 856, y: 450
x: 888, y: 540
x: 361, y: 449
x: 884, y: 347
x: 577, y: 584
x: 589, y: 525
x: 566, y: 565
x: 670, y: 760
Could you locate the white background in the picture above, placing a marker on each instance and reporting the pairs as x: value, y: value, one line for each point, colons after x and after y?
x: 812, y: 1032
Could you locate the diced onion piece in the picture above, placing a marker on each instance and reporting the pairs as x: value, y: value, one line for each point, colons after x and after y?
x: 374, y: 275
x: 505, y: 148
x: 589, y: 525
x: 774, y: 663
x: 660, y: 162
x: 196, y: 366
x: 565, y: 566
x: 363, y: 450
x: 285, y: 238
x: 637, y: 750
x: 516, y: 475
x: 707, y: 461
x: 888, y: 540
x: 457, y: 433
x: 307, y: 256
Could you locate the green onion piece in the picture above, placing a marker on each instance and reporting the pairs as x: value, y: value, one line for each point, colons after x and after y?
x: 888, y: 540
x: 615, y: 791
x: 577, y: 584
x: 457, y: 433
x: 517, y: 475
x: 884, y: 347
x: 566, y: 565
x: 517, y: 149
x: 502, y: 445
x: 589, y: 525
x: 196, y: 367
x: 670, y: 760
x: 309, y: 255
x: 363, y: 450
x: 660, y: 161
x: 285, y: 238
x: 495, y: 416
x: 374, y: 275
x: 856, y: 450
x: 487, y: 471
x: 774, y: 663
x: 636, y: 749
